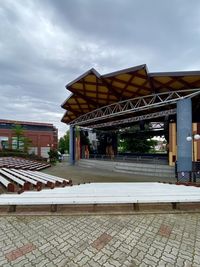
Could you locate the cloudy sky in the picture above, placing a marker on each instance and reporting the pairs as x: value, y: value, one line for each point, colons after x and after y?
x: 44, y: 44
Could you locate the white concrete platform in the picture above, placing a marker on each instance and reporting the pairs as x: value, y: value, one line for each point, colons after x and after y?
x: 106, y: 193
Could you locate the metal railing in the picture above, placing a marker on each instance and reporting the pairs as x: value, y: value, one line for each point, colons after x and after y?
x: 192, y: 176
x: 126, y: 158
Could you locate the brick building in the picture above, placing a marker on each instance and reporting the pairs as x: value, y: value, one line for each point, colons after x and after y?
x: 43, y: 136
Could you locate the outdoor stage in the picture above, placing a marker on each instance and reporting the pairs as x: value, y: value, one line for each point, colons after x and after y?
x: 131, y: 97
x: 105, y: 197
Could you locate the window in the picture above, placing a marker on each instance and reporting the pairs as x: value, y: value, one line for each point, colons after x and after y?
x: 4, y: 142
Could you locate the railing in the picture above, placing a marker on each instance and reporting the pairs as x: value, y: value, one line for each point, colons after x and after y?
x: 137, y: 159
x: 193, y: 176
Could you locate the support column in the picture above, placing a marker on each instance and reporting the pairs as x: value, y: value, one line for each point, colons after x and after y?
x: 72, y: 145
x: 184, y: 129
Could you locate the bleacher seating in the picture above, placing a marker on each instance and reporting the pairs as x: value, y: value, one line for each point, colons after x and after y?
x: 20, y: 163
x: 24, y: 180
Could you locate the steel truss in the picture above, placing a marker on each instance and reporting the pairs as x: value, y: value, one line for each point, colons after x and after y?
x: 135, y: 119
x: 134, y: 105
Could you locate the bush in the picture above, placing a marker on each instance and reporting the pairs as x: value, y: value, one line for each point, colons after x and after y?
x: 53, y: 155
x: 12, y: 154
x: 17, y: 153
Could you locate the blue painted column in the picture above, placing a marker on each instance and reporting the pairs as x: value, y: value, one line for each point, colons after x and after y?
x: 184, y: 129
x: 72, y: 145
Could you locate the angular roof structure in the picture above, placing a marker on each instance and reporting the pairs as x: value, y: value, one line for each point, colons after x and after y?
x: 92, y: 90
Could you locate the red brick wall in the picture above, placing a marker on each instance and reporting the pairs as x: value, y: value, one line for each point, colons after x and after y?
x: 39, y: 138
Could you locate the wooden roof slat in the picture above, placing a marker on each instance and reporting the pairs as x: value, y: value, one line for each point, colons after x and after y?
x: 88, y: 100
x: 104, y: 91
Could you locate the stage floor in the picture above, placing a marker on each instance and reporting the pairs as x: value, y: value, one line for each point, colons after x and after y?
x: 106, y: 193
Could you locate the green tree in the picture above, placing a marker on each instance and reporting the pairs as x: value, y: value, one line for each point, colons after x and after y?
x: 18, y: 132
x: 22, y: 141
x: 136, y: 141
x: 27, y: 143
x: 63, y: 145
x: 53, y: 155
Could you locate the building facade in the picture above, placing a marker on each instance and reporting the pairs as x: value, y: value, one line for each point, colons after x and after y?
x: 42, y: 136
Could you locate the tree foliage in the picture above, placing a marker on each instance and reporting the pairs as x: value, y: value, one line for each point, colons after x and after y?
x: 27, y: 143
x: 18, y: 132
x: 137, y: 144
x: 53, y: 155
x: 63, y: 145
x: 136, y: 141
x: 22, y: 142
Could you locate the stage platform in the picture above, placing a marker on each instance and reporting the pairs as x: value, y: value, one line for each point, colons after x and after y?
x: 123, y: 197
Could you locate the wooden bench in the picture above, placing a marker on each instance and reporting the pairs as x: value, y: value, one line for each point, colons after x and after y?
x: 33, y: 177
x: 17, y: 173
x: 50, y: 183
x: 24, y: 185
x: 56, y: 178
x: 7, y: 184
x: 55, y: 181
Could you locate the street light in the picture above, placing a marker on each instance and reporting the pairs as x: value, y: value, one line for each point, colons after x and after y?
x: 196, y: 136
x: 193, y: 138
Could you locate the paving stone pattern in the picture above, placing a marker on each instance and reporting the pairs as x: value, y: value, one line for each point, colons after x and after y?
x: 93, y: 241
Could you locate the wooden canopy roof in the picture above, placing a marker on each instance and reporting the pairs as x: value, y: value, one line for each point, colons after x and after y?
x: 92, y: 90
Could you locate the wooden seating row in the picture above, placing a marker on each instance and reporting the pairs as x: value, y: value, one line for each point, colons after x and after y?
x: 19, y: 163
x: 26, y: 180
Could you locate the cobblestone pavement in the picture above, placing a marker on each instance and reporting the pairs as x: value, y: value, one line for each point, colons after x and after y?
x: 100, y: 240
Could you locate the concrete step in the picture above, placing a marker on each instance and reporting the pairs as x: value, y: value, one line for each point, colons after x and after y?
x: 86, y: 164
x: 96, y: 163
x: 142, y: 169
x: 157, y: 170
x: 151, y: 174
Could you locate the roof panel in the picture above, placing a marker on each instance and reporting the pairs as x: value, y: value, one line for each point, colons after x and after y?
x: 125, y: 77
x: 112, y: 98
x: 90, y: 78
x: 92, y: 95
x: 131, y: 88
x: 102, y: 101
x: 92, y: 90
x: 177, y: 84
x: 191, y: 79
x: 142, y: 71
x: 129, y: 94
x: 89, y: 87
x: 118, y: 84
x: 138, y: 81
x: 143, y: 92
x: 84, y: 106
x: 77, y: 86
x: 81, y: 100
x: 72, y: 101
x: 129, y: 70
x: 103, y: 89
x: 102, y: 96
x: 163, y: 79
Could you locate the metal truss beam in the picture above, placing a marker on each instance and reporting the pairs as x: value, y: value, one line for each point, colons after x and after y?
x: 135, y: 119
x: 134, y: 105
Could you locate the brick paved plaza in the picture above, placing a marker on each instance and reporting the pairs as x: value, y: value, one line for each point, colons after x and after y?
x: 106, y: 240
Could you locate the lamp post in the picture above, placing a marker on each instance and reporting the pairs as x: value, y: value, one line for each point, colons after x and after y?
x: 193, y: 138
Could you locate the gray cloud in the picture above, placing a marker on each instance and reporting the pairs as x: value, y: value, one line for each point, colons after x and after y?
x: 45, y: 44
